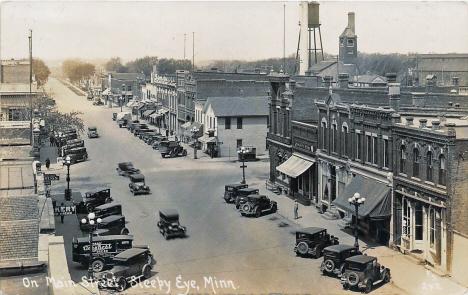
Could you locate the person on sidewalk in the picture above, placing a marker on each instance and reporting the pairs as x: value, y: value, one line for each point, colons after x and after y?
x: 47, y: 163
x: 62, y: 216
x: 296, y: 209
x: 167, y: 133
x: 51, y: 140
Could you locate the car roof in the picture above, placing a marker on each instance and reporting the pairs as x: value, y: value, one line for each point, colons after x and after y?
x: 78, y: 149
x: 169, y: 213
x: 130, y: 253
x: 96, y: 190
x: 310, y: 230
x: 339, y: 248
x: 92, y: 127
x: 112, y: 218
x: 125, y: 163
x: 137, y: 177
x: 108, y: 205
x: 361, y: 259
x: 236, y: 184
x: 255, y: 196
x: 106, y: 238
x: 248, y: 189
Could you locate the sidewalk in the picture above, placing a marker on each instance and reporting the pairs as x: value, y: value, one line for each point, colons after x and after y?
x: 406, y: 274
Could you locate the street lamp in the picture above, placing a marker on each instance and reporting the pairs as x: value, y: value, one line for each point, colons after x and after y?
x: 121, y: 102
x: 68, y: 191
x: 123, y: 86
x: 357, y: 201
x: 195, y: 131
x: 92, y: 225
x: 242, y: 151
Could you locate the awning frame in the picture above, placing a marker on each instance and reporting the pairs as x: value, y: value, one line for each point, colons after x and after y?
x: 295, y: 165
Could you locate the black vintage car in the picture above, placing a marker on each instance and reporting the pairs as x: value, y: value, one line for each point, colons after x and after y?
x: 112, y: 225
x: 243, y: 193
x: 171, y: 149
x: 334, y: 258
x: 92, y: 132
x: 137, y: 125
x: 76, y: 155
x: 256, y: 204
x: 362, y: 271
x: 129, y: 267
x: 311, y: 241
x: 141, y: 132
x: 126, y: 169
x: 156, y: 141
x: 169, y: 225
x: 230, y: 191
x: 131, y: 124
x: 104, y: 211
x: 138, y: 128
x: 98, y: 102
x: 137, y: 184
x: 94, y: 198
x: 148, y: 136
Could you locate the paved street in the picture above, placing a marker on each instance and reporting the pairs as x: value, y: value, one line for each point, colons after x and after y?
x: 256, y: 255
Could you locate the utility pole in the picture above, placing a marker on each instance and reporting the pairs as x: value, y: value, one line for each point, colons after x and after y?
x: 185, y: 36
x: 284, y: 38
x: 30, y: 87
x: 193, y: 53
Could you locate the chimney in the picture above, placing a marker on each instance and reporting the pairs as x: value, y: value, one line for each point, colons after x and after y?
x: 343, y: 80
x: 409, y: 121
x: 351, y: 23
x: 391, y: 77
x: 327, y: 81
x: 451, y: 129
x: 422, y: 123
x: 435, y: 125
x: 394, y: 96
x: 450, y: 104
x: 457, y: 105
x: 396, y: 118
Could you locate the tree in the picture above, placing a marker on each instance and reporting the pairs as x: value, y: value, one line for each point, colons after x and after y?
x: 144, y: 65
x: 170, y: 66
x: 76, y: 70
x: 115, y: 65
x: 41, y: 71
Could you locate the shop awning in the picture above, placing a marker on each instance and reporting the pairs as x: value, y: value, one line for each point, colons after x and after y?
x: 132, y: 104
x: 148, y: 112
x: 377, y: 195
x: 295, y: 166
x: 163, y: 111
x: 155, y: 115
x: 106, y: 92
x: 207, y: 139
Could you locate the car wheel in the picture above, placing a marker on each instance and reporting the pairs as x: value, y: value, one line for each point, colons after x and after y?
x: 386, y: 277
x: 89, y: 208
x: 146, y: 271
x: 124, y: 231
x: 166, y: 236
x: 318, y: 252
x: 122, y: 285
x: 85, y: 158
x: 302, y: 248
x: 258, y: 213
x: 134, y: 193
x: 97, y: 265
x: 353, y: 279
x: 242, y: 214
x: 368, y: 286
x: 184, y: 153
x: 108, y: 200
x: 329, y: 265
x: 345, y: 286
x: 162, y: 155
x: 274, y: 209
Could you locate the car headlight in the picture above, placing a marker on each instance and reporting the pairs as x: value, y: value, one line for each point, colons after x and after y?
x: 246, y: 207
x: 170, y: 227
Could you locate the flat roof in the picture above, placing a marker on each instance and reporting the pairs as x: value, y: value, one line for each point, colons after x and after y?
x: 461, y: 124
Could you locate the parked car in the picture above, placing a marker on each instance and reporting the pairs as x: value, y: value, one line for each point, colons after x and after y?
x: 243, y: 193
x: 92, y: 132
x: 112, y: 225
x: 169, y: 225
x: 256, y: 204
x: 126, y: 169
x: 132, y: 123
x: 129, y: 266
x: 171, y: 149
x: 90, y: 97
x: 334, y: 258
x: 94, y: 198
x: 312, y: 241
x: 137, y: 184
x: 138, y: 125
x: 104, y: 249
x: 156, y: 141
x: 141, y: 132
x: 140, y: 128
x: 98, y: 102
x: 148, y: 136
x: 123, y: 119
x: 230, y: 191
x: 76, y: 155
x: 71, y: 144
x: 114, y: 116
x: 362, y: 271
x: 104, y: 211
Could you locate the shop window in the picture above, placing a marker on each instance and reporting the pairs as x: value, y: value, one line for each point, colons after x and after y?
x: 415, y: 162
x: 406, y: 218
x: 402, y: 159
x: 442, y: 170
x: 227, y: 123
x: 418, y: 222
x: 432, y: 228
x: 429, y: 166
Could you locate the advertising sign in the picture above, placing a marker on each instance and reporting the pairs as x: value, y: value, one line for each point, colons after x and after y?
x: 64, y: 210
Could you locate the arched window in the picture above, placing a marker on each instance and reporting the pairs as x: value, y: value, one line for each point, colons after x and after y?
x: 324, y: 134
x: 442, y: 170
x: 334, y: 138
x: 432, y: 228
x: 402, y: 159
x: 429, y: 166
x: 415, y: 162
x: 344, y: 139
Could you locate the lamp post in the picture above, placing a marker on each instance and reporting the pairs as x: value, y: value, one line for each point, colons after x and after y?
x: 123, y: 89
x: 242, y: 152
x: 92, y: 225
x: 121, y: 102
x: 195, y: 131
x: 68, y: 191
x: 357, y: 201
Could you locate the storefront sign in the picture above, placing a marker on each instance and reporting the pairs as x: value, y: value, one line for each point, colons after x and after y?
x: 64, y: 210
x: 51, y: 177
x: 303, y: 145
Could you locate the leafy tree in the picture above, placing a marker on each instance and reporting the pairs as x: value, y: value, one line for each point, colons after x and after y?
x: 76, y: 70
x: 170, y: 66
x: 41, y: 71
x: 144, y: 65
x: 115, y: 65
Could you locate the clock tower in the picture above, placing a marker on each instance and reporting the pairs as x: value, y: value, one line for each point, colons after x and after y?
x: 348, y: 42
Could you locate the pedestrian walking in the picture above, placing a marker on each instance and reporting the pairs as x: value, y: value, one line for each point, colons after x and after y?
x: 62, y: 216
x: 296, y: 209
x: 47, y: 163
x: 176, y: 139
x: 167, y: 133
x: 51, y: 141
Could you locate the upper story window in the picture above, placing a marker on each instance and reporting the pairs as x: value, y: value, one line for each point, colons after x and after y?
x: 375, y: 152
x: 429, y: 174
x: 239, y: 123
x: 227, y: 123
x: 415, y: 162
x: 334, y: 138
x: 350, y: 43
x: 341, y: 42
x: 345, y: 140
x: 129, y: 87
x: 358, y: 145
x: 402, y: 159
x: 442, y: 170
x: 385, y: 153
x: 369, y: 148
x: 324, y: 134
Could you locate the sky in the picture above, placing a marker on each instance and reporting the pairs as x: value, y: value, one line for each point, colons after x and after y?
x: 223, y: 29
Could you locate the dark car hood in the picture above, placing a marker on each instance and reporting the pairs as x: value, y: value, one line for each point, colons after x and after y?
x: 118, y: 270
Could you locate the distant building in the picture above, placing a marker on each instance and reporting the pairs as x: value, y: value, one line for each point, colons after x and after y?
x: 122, y: 87
x: 369, y: 81
x: 15, y: 71
x: 445, y: 67
x: 348, y: 42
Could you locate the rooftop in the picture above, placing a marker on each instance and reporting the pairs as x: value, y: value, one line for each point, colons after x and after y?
x: 238, y: 106
x: 460, y: 124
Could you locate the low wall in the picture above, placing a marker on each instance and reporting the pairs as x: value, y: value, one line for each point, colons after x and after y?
x: 58, y: 267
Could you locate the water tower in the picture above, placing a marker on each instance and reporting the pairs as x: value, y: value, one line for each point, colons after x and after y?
x: 310, y: 31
